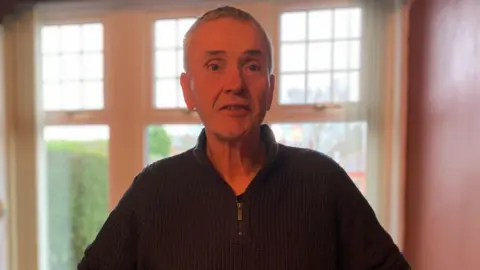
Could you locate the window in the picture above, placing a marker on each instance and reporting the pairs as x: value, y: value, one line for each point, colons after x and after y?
x: 320, y: 52
x: 169, y: 35
x: 76, y: 154
x: 346, y: 142
x: 72, y: 71
x: 77, y: 187
x: 320, y: 56
x: 168, y: 140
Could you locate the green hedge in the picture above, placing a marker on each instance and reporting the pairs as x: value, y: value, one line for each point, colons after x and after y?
x: 78, y: 201
x: 78, y: 192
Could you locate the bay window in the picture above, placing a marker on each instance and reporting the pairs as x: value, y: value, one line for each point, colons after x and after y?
x: 105, y: 101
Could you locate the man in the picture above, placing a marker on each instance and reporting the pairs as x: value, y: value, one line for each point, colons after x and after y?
x: 239, y: 200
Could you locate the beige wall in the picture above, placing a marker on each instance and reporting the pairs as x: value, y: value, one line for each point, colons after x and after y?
x: 3, y: 163
x: 443, y: 206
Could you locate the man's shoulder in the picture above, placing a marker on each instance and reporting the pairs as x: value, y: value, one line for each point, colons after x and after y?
x: 166, y: 169
x: 161, y: 179
x: 171, y: 163
x: 310, y: 169
x: 307, y: 158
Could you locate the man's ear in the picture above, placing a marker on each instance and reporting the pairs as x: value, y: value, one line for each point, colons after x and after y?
x: 271, y: 91
x: 185, y: 82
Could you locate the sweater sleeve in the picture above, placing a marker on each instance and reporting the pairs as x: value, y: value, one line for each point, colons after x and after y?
x: 363, y: 242
x: 115, y: 247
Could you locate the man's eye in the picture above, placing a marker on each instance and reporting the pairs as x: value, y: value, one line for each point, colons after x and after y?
x: 214, y: 67
x: 253, y: 67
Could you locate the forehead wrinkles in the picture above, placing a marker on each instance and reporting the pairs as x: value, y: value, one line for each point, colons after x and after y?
x: 193, y: 34
x: 226, y: 37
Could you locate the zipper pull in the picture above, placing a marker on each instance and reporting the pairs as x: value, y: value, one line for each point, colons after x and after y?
x: 240, y: 218
x: 239, y: 211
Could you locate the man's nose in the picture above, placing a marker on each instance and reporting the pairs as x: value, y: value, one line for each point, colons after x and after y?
x: 234, y: 82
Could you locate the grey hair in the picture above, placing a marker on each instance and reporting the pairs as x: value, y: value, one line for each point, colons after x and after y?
x: 231, y: 13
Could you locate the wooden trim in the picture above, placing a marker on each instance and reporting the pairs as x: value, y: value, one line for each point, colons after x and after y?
x: 127, y: 35
x: 20, y: 49
x: 75, y: 118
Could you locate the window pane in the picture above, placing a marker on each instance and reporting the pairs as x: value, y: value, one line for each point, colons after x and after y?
x: 52, y: 97
x: 320, y: 24
x: 340, y: 58
x: 51, y: 68
x: 72, y: 95
x: 346, y: 86
x: 70, y: 67
x: 354, y: 55
x: 344, y: 142
x: 181, y: 101
x: 354, y: 86
x: 92, y: 95
x: 92, y: 37
x: 292, y: 89
x: 77, y: 187
x: 183, y: 26
x: 77, y: 61
x: 341, y: 21
x: 319, y: 86
x: 169, y: 36
x: 293, y: 57
x: 319, y: 56
x: 340, y: 87
x: 70, y: 36
x: 92, y: 66
x: 293, y: 26
x: 50, y: 39
x: 355, y: 22
x: 168, y: 140
x: 166, y: 61
x: 180, y: 67
x: 165, y: 34
x: 332, y: 45
x: 166, y: 94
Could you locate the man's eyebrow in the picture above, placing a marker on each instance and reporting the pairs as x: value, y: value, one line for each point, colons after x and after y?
x: 215, y: 52
x: 253, y: 52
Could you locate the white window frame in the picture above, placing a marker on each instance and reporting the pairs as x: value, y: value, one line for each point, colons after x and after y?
x: 361, y: 111
x: 159, y: 116
x: 313, y: 112
x: 73, y: 117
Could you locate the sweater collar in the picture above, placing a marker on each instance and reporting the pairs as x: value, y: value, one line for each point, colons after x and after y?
x: 267, y: 137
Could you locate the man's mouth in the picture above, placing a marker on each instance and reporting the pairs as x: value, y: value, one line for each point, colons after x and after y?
x: 235, y: 107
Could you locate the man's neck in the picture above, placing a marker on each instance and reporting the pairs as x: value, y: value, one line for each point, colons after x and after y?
x: 238, y: 160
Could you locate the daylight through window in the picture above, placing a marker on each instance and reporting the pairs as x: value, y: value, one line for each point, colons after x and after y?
x: 72, y: 67
x: 320, y: 56
x: 169, y: 34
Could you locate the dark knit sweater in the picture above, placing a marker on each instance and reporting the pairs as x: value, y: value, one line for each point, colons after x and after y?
x: 300, y: 212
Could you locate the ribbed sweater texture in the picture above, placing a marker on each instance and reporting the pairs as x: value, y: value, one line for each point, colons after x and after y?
x: 300, y: 212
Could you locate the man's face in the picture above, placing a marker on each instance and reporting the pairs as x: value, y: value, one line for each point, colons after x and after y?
x: 228, y: 81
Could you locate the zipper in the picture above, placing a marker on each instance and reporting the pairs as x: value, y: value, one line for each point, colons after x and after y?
x: 240, y: 218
